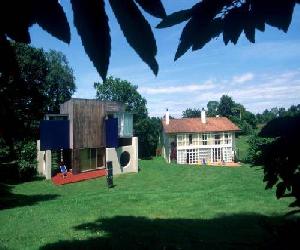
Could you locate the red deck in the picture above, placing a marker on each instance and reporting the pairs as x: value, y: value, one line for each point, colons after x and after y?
x: 71, y: 178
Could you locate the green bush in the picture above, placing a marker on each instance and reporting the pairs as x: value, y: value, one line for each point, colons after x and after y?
x: 4, y: 150
x: 26, y: 160
x: 55, y: 162
x: 256, y: 144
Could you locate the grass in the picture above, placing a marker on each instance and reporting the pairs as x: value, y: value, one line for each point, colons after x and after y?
x: 242, y: 147
x: 162, y: 207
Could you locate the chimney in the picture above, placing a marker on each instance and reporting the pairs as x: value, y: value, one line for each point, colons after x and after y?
x: 167, y: 117
x: 203, y: 116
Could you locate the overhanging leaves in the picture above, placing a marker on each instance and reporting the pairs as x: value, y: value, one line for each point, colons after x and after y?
x: 137, y: 31
x: 175, y: 18
x: 212, y: 30
x: 153, y: 7
x: 233, y: 17
x: 234, y: 24
x: 91, y: 22
x: 202, y: 19
x: 18, y: 16
x: 50, y: 16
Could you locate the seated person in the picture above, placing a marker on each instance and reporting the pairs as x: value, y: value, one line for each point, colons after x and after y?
x: 63, y: 169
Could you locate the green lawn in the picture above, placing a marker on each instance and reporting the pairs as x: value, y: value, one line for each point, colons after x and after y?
x: 161, y: 207
x: 242, y: 147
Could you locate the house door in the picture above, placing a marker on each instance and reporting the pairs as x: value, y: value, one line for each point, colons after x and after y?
x: 217, y: 154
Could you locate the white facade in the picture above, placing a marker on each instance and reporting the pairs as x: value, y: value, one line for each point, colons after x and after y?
x: 199, y: 148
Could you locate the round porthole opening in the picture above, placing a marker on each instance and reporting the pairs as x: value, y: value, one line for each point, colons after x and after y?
x: 124, y: 159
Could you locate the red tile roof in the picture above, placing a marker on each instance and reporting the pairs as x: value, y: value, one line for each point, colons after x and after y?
x: 194, y: 125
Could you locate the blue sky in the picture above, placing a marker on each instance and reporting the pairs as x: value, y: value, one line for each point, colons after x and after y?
x: 261, y: 75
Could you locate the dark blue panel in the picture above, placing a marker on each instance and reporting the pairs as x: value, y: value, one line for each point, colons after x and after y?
x: 54, y: 134
x: 111, y: 127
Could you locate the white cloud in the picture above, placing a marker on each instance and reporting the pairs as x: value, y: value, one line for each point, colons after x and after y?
x: 270, y: 90
x: 177, y: 89
x: 243, y: 78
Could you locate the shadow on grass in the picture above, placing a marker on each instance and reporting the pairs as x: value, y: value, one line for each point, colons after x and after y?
x: 240, y: 231
x: 10, y: 200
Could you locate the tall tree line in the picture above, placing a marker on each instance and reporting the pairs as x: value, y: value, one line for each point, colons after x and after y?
x: 227, y: 107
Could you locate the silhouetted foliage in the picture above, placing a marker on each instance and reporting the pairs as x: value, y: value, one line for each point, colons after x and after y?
x: 280, y: 157
x: 91, y: 21
x: 208, y: 19
x: 236, y: 231
x: 153, y: 7
x: 135, y: 26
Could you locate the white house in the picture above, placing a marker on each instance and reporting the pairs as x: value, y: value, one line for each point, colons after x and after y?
x: 198, y: 140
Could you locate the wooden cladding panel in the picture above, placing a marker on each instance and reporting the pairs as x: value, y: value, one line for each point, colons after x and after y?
x: 88, y: 124
x: 113, y: 107
x: 87, y: 121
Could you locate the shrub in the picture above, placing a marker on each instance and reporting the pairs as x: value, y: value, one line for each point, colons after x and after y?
x: 55, y: 159
x: 4, y: 150
x: 26, y: 159
x: 256, y: 144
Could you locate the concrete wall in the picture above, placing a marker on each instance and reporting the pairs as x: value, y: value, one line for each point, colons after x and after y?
x: 113, y: 154
x: 43, y: 162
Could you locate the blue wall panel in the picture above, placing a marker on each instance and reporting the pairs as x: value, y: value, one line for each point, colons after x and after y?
x: 111, y: 127
x: 54, y: 134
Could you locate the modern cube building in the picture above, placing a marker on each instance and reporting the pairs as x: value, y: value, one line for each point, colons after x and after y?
x: 88, y: 133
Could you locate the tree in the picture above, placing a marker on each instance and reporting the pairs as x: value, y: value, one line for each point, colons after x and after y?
x: 226, y: 105
x: 115, y: 89
x: 191, y: 113
x: 22, y: 93
x: 269, y: 115
x: 60, y: 81
x: 206, y: 20
x: 147, y: 129
x: 212, y: 108
x: 280, y: 157
x: 43, y: 80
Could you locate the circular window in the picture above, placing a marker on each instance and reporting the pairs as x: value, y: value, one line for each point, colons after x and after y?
x: 124, y: 159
